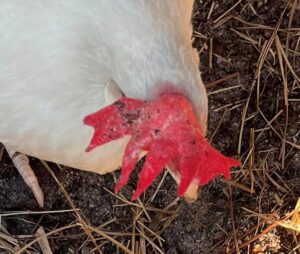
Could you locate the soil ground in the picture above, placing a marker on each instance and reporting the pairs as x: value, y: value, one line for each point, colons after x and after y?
x: 250, y: 118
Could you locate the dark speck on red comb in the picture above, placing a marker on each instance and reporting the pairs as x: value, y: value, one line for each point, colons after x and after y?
x: 167, y: 128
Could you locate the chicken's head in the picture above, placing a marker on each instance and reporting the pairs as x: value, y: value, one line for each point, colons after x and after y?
x: 168, y: 130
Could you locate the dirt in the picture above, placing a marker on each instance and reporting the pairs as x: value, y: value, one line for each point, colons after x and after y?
x: 223, y: 218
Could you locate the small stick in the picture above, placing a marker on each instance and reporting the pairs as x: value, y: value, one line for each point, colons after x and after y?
x: 226, y: 12
x: 216, y: 82
x: 210, y: 10
x: 210, y: 59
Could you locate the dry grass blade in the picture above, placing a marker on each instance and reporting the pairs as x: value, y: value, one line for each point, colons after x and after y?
x: 210, y: 53
x: 138, y: 227
x: 123, y: 199
x: 11, y: 244
x: 158, y: 187
x: 296, y: 49
x: 278, y: 135
x: 216, y: 82
x: 244, y: 36
x: 293, y: 226
x: 150, y: 241
x: 134, y: 244
x: 144, y: 209
x: 252, y: 159
x: 219, y: 124
x: 238, y: 185
x: 24, y: 248
x: 237, y: 248
x: 142, y: 241
x: 256, y: 81
x: 284, y: 78
x: 289, y: 64
x: 8, y: 238
x: 265, y: 231
x: 266, y: 127
x: 291, y: 17
x: 139, y: 248
x: 277, y: 185
x: 174, y: 202
x: 231, y: 105
x: 228, y: 11
x: 18, y: 213
x: 263, y: 27
x: 222, y: 21
x: 244, y: 114
x: 111, y: 239
x: 84, y: 225
x: 298, y: 246
x: 294, y: 223
x: 224, y: 89
x: 152, y: 232
x: 210, y: 10
x: 264, y: 53
x: 79, y: 218
x: 149, y: 208
x: 200, y: 35
x: 223, y: 59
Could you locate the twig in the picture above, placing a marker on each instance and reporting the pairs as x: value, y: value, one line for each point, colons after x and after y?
x: 226, y: 12
x: 221, y: 80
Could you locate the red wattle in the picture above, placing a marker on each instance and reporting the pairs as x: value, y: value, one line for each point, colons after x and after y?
x: 167, y: 128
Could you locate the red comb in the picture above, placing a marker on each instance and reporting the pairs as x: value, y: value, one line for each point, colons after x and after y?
x: 168, y: 129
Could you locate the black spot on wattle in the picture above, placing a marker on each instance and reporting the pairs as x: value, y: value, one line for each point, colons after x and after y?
x: 119, y: 104
x: 156, y: 131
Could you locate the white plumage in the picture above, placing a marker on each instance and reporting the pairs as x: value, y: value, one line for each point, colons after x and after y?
x: 57, y: 57
x: 63, y: 60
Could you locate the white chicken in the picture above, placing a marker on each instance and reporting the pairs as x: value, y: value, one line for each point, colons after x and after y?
x: 63, y: 60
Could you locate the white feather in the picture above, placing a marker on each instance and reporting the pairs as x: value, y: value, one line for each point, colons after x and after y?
x: 57, y: 57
